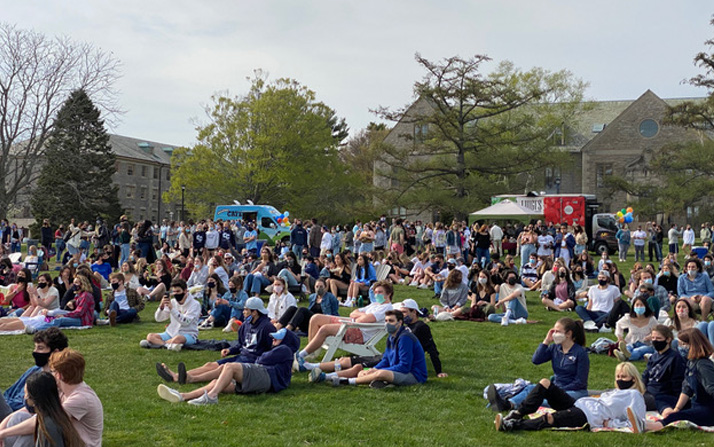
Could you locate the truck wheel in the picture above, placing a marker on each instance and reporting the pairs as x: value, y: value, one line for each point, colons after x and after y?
x: 601, y: 247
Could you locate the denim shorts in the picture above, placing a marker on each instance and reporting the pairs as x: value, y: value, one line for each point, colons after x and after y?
x: 190, y: 339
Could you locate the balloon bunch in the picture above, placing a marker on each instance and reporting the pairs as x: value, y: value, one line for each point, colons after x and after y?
x: 625, y: 215
x: 283, y: 219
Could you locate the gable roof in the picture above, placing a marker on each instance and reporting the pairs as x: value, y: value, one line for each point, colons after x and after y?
x: 143, y: 150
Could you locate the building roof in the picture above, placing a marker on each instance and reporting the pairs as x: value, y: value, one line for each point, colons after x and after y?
x: 143, y: 150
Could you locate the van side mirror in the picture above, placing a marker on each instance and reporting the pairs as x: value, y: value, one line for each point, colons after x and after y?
x: 272, y: 225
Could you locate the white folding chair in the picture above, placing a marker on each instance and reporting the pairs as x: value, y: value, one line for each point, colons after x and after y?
x: 367, y: 349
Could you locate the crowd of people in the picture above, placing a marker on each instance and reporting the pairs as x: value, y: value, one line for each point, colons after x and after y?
x: 207, y: 274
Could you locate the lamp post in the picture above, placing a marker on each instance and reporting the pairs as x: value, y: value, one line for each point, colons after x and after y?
x: 557, y: 185
x: 183, y: 214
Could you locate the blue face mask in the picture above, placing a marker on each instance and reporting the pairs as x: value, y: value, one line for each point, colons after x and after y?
x: 379, y: 298
x: 648, y: 281
x: 640, y: 310
x: 391, y: 329
x: 407, y: 319
x: 683, y: 351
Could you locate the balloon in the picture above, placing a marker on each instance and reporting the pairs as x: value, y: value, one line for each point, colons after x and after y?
x: 628, y: 219
x: 287, y: 214
x: 285, y: 224
x: 629, y: 209
x: 624, y: 211
x: 619, y: 214
x: 622, y: 219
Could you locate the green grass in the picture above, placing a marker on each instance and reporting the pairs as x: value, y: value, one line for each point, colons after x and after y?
x: 448, y: 411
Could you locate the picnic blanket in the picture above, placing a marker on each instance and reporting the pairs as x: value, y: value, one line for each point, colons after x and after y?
x: 22, y: 331
x: 652, y: 416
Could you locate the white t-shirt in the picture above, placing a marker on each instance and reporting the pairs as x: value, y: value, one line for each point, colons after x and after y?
x: 326, y: 241
x: 603, y: 299
x: 51, y: 298
x: 639, y: 237
x: 544, y: 244
x: 688, y: 237
x: 507, y: 289
x: 87, y: 414
x: 378, y: 310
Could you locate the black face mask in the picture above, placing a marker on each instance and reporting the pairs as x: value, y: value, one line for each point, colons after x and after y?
x: 41, y: 358
x: 602, y: 282
x: 660, y: 345
x: 179, y: 297
x: 211, y: 285
x: 41, y: 285
x: 30, y: 408
x: 512, y: 281
x: 115, y: 285
x: 21, y: 279
x: 233, y: 289
x: 625, y: 384
x: 561, y: 274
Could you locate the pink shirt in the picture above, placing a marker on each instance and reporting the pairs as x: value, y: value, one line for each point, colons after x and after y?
x: 85, y: 410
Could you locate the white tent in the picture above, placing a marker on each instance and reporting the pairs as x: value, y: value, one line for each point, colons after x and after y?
x: 505, y: 210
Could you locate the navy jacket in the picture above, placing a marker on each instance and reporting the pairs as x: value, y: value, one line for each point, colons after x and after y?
x: 664, y: 373
x: 279, y: 363
x: 571, y: 370
x: 254, y: 339
x: 298, y: 236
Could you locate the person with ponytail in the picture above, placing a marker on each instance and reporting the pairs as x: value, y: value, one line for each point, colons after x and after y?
x: 53, y: 427
x: 564, y: 347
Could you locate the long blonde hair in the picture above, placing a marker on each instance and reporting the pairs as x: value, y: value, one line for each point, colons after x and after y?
x: 630, y: 370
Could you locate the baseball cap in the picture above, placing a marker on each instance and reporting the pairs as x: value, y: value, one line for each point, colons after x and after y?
x: 407, y: 303
x: 279, y: 335
x: 256, y: 303
x: 451, y: 261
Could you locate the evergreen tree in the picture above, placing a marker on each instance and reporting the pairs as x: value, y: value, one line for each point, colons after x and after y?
x: 76, y: 178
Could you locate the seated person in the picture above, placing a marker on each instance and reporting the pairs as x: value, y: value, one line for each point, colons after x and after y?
x: 402, y: 363
x: 639, y: 324
x: 46, y: 342
x: 154, y: 286
x: 432, y: 271
x: 253, y: 341
x: 561, y: 294
x: 19, y: 296
x: 213, y: 291
x: 271, y: 372
x: 619, y: 408
x: 199, y: 274
x: 512, y: 299
x: 323, y: 326
x: 280, y: 301
x: 454, y: 294
x: 321, y: 302
x: 83, y: 305
x: 101, y: 267
x: 79, y: 401
x: 123, y: 305
x: 601, y: 298
x: 365, y: 276
x: 230, y: 306
x: 262, y: 274
x: 529, y: 272
x: 349, y: 367
x: 183, y: 311
x: 46, y: 296
x: 696, y: 286
x: 664, y: 372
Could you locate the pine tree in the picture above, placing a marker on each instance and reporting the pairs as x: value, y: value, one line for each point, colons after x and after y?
x: 76, y: 178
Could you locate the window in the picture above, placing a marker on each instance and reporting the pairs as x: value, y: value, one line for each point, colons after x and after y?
x: 420, y: 132
x: 603, y: 170
x: 692, y: 212
x: 129, y: 169
x: 266, y: 222
x: 168, y: 174
x: 395, y: 179
x: 130, y: 191
x: 156, y: 172
x: 143, y: 171
x: 154, y: 193
x: 649, y: 128
x: 551, y: 175
x: 142, y: 192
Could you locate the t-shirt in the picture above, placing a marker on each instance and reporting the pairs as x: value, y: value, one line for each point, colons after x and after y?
x: 507, y: 289
x: 544, y: 245
x: 639, y: 237
x: 103, y: 269
x: 85, y: 409
x: 252, y: 245
x: 120, y: 298
x: 51, y: 298
x: 603, y: 299
x: 378, y: 310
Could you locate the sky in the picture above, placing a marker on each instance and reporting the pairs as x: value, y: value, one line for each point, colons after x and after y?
x: 359, y: 55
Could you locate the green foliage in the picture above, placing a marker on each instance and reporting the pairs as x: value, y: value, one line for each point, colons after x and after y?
x: 478, y: 133
x: 275, y: 145
x: 76, y: 178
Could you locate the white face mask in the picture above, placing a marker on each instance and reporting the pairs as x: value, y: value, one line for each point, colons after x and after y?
x: 558, y: 337
x: 278, y: 289
x: 483, y: 281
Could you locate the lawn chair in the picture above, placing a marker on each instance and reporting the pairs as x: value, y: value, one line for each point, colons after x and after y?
x: 382, y: 272
x: 332, y: 344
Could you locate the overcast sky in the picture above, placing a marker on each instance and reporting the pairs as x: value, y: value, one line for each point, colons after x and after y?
x: 358, y: 55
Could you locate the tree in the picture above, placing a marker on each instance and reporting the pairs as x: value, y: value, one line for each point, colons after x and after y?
x: 76, y: 178
x: 476, y: 134
x: 37, y: 74
x: 275, y: 145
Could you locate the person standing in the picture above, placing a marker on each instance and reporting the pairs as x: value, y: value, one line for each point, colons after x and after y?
x: 688, y: 239
x: 638, y: 240
x: 497, y: 238
x: 298, y: 239
x: 623, y: 242
x: 673, y: 235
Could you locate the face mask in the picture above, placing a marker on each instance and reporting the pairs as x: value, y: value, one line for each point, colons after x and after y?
x: 379, y: 298
x: 707, y: 263
x: 41, y: 358
x: 391, y: 329
x: 640, y: 310
x: 41, y: 285
x: 233, y: 289
x: 625, y: 384
x: 533, y: 261
x: 648, y: 281
x: 30, y: 408
x: 75, y: 265
x: 683, y: 351
x: 211, y: 285
x: 320, y: 290
x: 692, y: 273
x: 561, y: 274
x: 115, y: 285
x: 659, y: 345
x: 602, y: 282
x: 179, y: 296
x: 408, y: 319
x: 558, y: 338
x: 278, y: 289
x: 21, y: 279
x: 666, y: 273
x: 512, y: 281
x: 483, y: 281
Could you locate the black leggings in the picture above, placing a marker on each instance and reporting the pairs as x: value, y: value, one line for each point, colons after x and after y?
x: 297, y: 317
x: 566, y: 415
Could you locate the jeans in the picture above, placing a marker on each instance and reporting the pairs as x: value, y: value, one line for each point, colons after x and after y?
x: 438, y: 287
x: 698, y: 413
x: 221, y: 314
x: 60, y: 245
x: 639, y: 253
x: 707, y: 328
x: 123, y: 316
x: 597, y: 316
x: 61, y: 322
x: 297, y: 249
x: 125, y: 249
x: 15, y: 247
x: 72, y: 249
x: 623, y: 250
x: 578, y: 249
x: 520, y: 397
x: 517, y: 311
x: 526, y: 251
x: 483, y: 256
x: 288, y: 277
x: 655, y: 248
x: 254, y: 284
x: 638, y: 350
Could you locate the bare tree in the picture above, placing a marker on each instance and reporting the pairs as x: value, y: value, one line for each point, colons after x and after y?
x: 37, y: 74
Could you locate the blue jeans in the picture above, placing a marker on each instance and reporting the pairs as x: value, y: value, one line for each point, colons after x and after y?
x: 526, y: 251
x: 638, y: 350
x: 707, y: 328
x: 483, y: 256
x: 288, y: 277
x: 438, y: 287
x: 254, y: 284
x: 61, y: 322
x: 520, y: 397
x: 15, y: 247
x: 297, y: 250
x: 622, y: 248
x: 125, y: 249
x: 60, y: 245
x: 597, y: 316
x: 123, y: 316
x: 517, y: 311
x: 221, y: 314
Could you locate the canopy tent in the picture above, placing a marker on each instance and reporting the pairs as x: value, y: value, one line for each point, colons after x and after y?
x: 505, y: 210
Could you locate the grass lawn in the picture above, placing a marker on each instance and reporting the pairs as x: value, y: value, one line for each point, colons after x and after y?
x: 449, y: 411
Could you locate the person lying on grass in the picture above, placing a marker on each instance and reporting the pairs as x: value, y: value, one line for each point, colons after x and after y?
x: 253, y: 341
x: 619, y: 408
x: 183, y: 311
x: 402, y: 363
x: 349, y: 367
x: 271, y: 372
x: 564, y: 347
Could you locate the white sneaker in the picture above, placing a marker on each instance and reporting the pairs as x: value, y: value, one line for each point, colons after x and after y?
x: 521, y: 321
x: 504, y: 321
x: 423, y: 286
x: 146, y: 344
x: 205, y: 326
x: 590, y: 326
x: 347, y: 303
x: 102, y: 322
x: 604, y: 329
x: 169, y: 394
x: 402, y: 281
x: 413, y: 284
x: 176, y: 347
x: 229, y: 327
x: 203, y: 400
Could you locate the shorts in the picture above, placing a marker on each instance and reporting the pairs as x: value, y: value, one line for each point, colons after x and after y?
x: 190, y: 339
x: 365, y: 361
x: 256, y: 380
x: 401, y: 379
x: 352, y: 335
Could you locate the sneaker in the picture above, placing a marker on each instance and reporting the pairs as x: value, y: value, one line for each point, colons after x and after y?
x: 30, y: 330
x: 590, y: 326
x: 521, y: 321
x: 229, y: 327
x: 638, y: 425
x: 504, y: 321
x: 402, y: 281
x: 299, y: 364
x: 619, y: 355
x: 176, y: 347
x: 337, y: 381
x: 378, y: 384
x: 113, y: 318
x: 205, y: 326
x: 204, y: 400
x: 423, y: 286
x: 647, y: 357
x: 622, y: 346
x: 316, y: 376
x: 497, y: 402
x: 513, y: 414
x: 146, y: 344
x: 605, y: 330
x: 102, y: 322
x: 498, y: 422
x: 413, y: 284
x: 347, y: 303
x: 169, y: 394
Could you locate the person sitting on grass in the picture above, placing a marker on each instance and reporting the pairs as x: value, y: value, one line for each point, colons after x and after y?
x: 638, y: 324
x: 123, y: 304
x: 512, y: 299
x: 601, y: 298
x: 454, y: 294
x: 697, y: 387
x: 564, y: 347
x: 253, y: 341
x: 402, y: 363
x: 271, y: 372
x: 45, y: 343
x: 349, y: 367
x: 280, y: 301
x: 561, y: 294
x: 696, y: 286
x: 529, y: 272
x: 664, y: 373
x: 230, y: 307
x: 211, y: 294
x: 83, y: 305
x: 321, y: 302
x: 323, y: 326
x: 79, y: 401
x: 619, y: 408
x: 183, y: 311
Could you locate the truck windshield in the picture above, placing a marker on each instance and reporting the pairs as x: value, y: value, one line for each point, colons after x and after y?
x: 607, y: 223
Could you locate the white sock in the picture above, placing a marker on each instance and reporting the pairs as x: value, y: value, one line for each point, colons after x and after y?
x: 310, y: 366
x: 352, y: 381
x: 329, y: 376
x: 338, y: 366
x: 303, y: 354
x: 508, y: 315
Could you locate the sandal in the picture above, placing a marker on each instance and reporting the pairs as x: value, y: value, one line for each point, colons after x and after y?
x: 163, y: 372
x: 182, y: 373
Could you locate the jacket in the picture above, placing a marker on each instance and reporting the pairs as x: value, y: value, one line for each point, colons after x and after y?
x: 664, y: 373
x: 253, y: 338
x: 135, y: 301
x: 329, y: 304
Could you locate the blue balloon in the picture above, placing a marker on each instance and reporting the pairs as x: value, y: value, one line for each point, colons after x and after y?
x: 287, y: 214
x: 628, y: 219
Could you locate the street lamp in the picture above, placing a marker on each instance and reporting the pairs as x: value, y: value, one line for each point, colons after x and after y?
x: 557, y: 185
x: 183, y: 213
